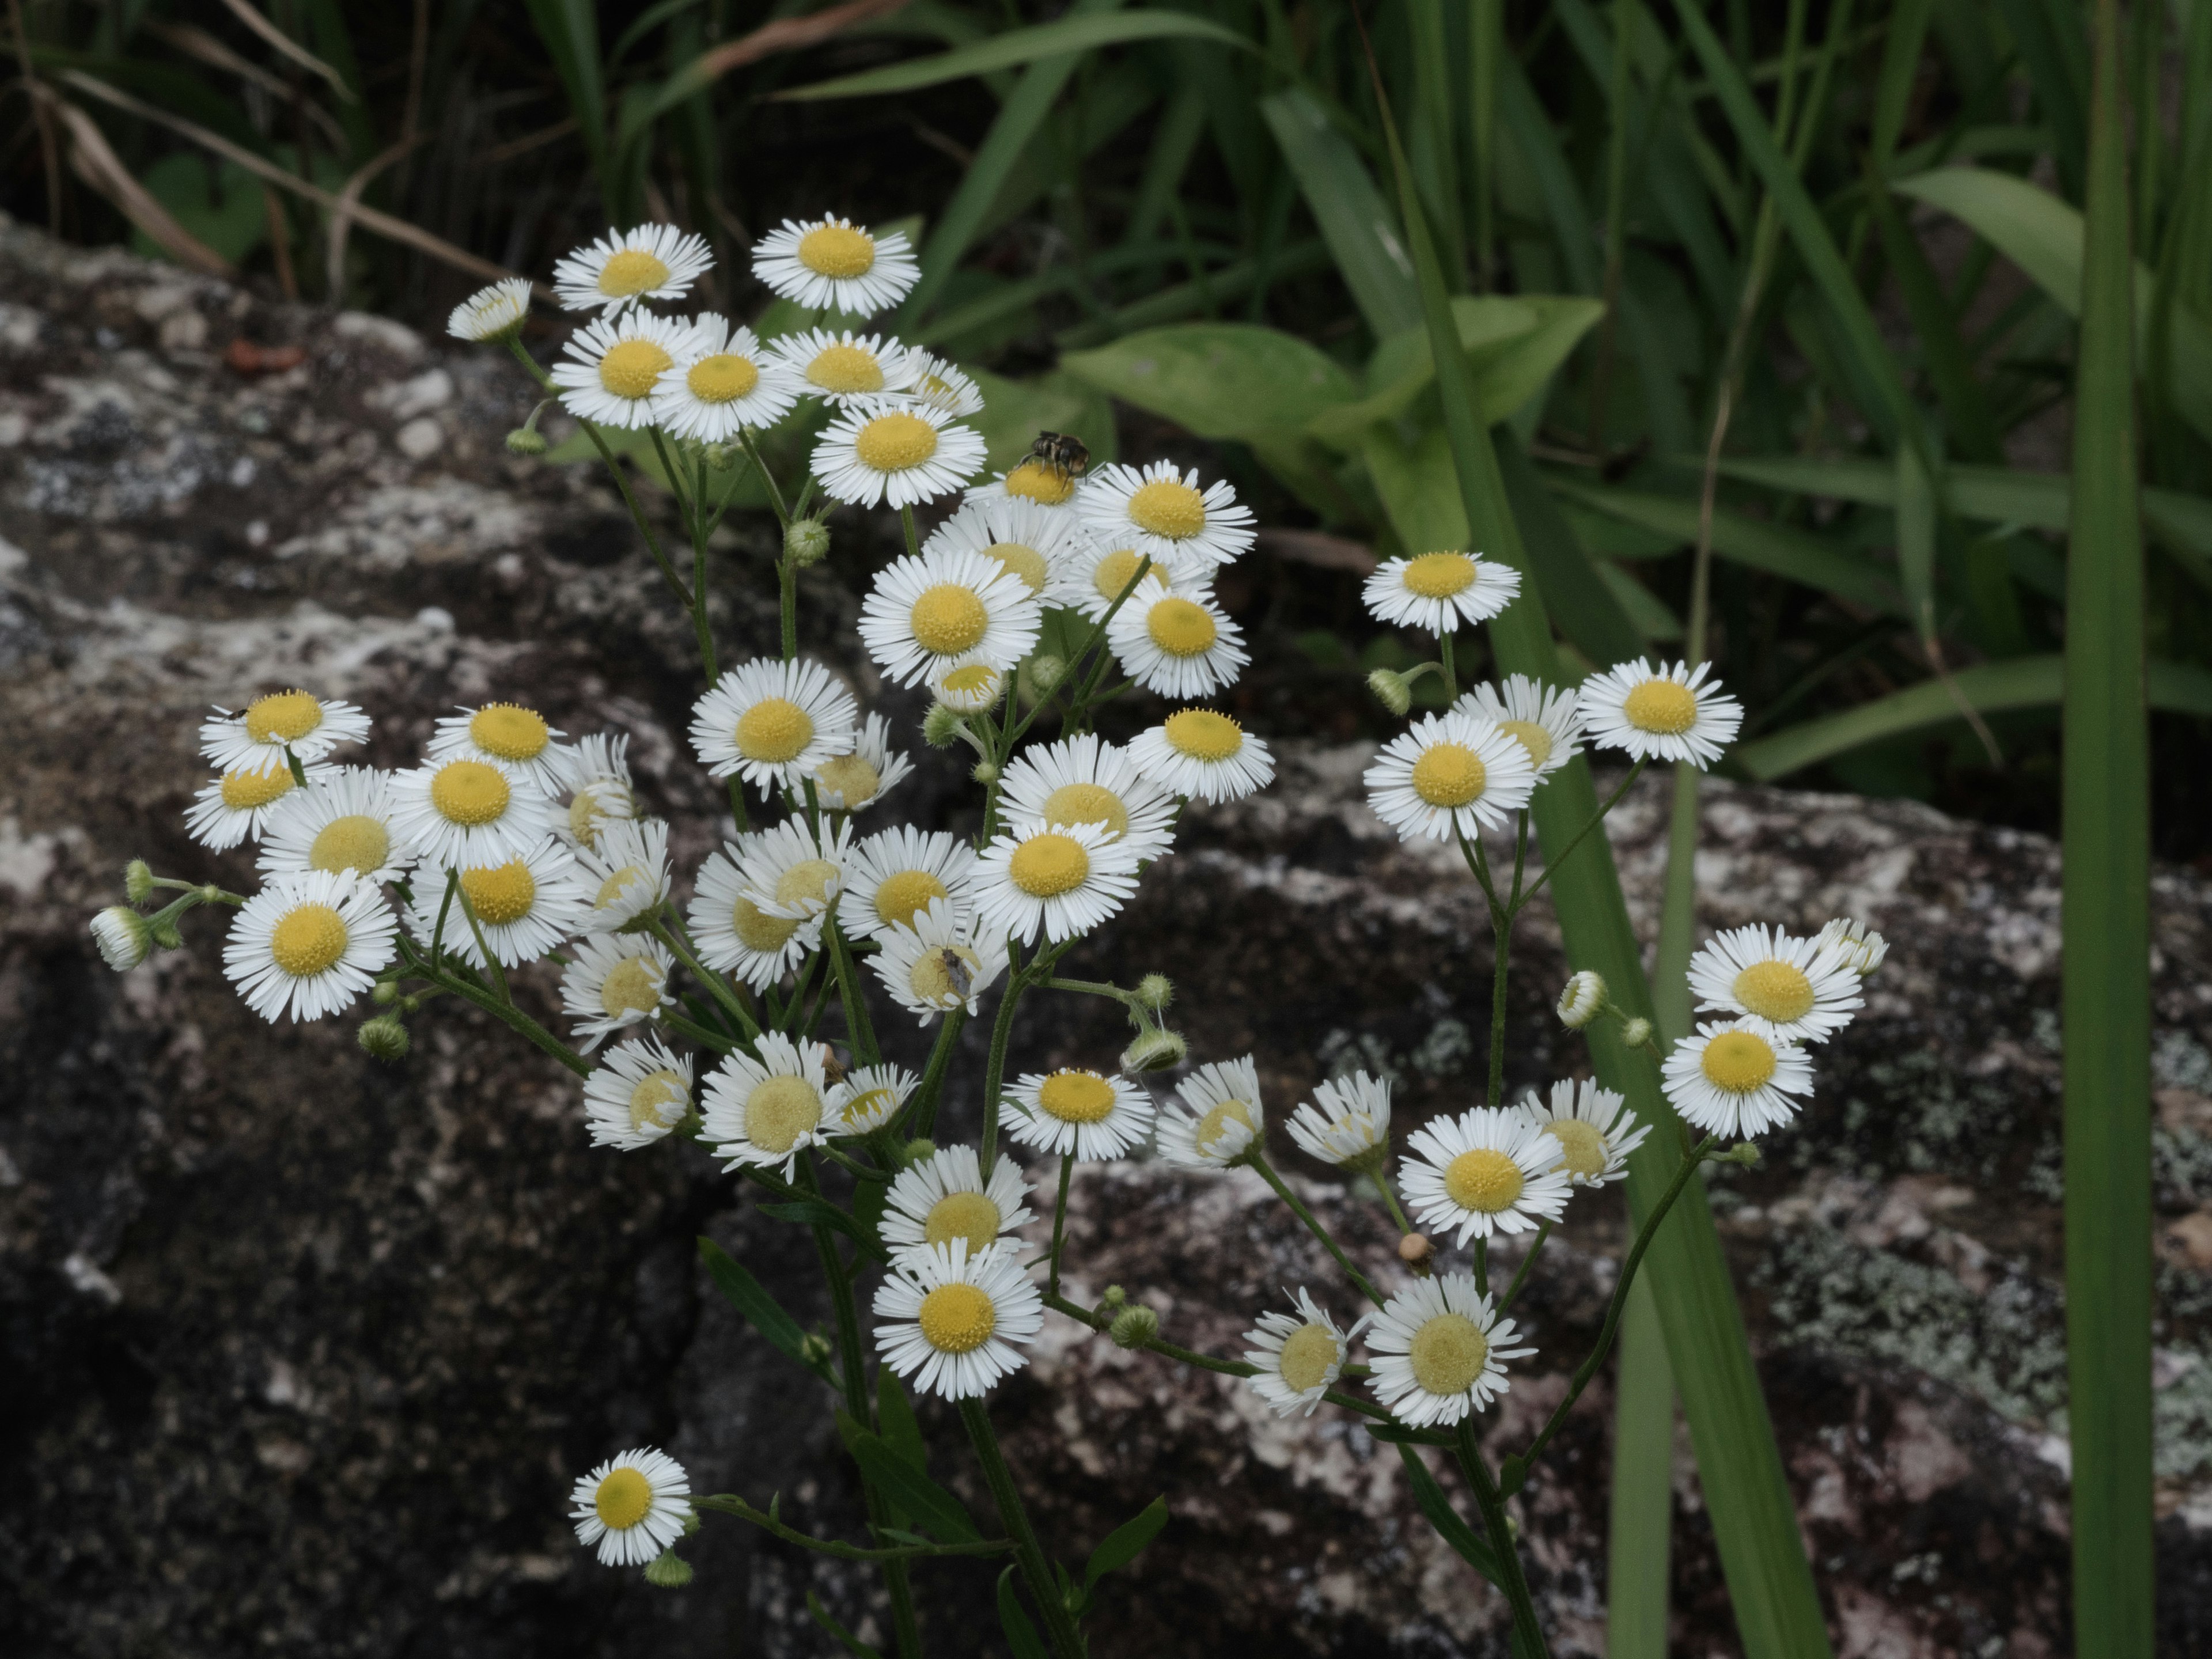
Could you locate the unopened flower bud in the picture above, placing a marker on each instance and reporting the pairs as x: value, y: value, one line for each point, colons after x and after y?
x: 1155, y: 992
x: 986, y: 773
x: 124, y: 939
x: 526, y: 440
x: 385, y: 1038
x: 1417, y: 1253
x: 805, y: 542
x: 137, y: 881
x: 669, y: 1571
x: 166, y: 936
x: 383, y: 993
x: 720, y: 458
x: 1155, y: 1050
x: 1046, y: 672
x: 815, y: 1349
x: 918, y: 1151
x: 941, y: 726
x: 1855, y: 945
x: 1133, y: 1326
x: 1391, y: 689
x: 1745, y: 1153
x: 1113, y: 1298
x: 1636, y: 1032
x: 1582, y: 1001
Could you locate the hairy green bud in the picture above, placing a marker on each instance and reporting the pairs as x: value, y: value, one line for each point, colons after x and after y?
x: 1133, y: 1326
x: 1113, y: 1299
x: 1391, y: 689
x: 383, y: 993
x: 526, y: 440
x: 815, y: 1348
x: 1636, y: 1032
x: 1155, y: 992
x: 137, y: 881
x: 385, y: 1038
x: 1155, y: 1050
x: 941, y: 726
x: 1046, y: 672
x: 720, y: 458
x: 669, y: 1571
x: 986, y: 773
x: 165, y: 934
x: 805, y: 542
x: 917, y: 1151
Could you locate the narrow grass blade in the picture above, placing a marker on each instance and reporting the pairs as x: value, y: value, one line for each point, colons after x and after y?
x: 2105, y: 919
x: 1355, y: 221
x: 570, y: 32
x: 1010, y: 48
x: 1640, y: 1527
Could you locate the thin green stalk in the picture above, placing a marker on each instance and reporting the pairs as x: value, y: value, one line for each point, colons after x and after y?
x: 1527, y: 1264
x: 727, y: 1503
x: 1313, y: 1225
x: 858, y: 1028
x: 1507, y: 1553
x: 994, y: 1071
x: 932, y: 1076
x: 1059, y: 1221
x: 1390, y: 1200
x: 717, y: 986
x: 1553, y: 865
x: 767, y: 477
x: 483, y: 950
x: 787, y: 587
x: 1058, y: 1628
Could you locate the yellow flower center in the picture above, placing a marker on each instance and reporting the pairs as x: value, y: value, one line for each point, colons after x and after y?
x: 624, y: 1496
x: 356, y: 842
x: 1046, y: 865
x: 1484, y: 1179
x: 501, y: 893
x: 610, y: 890
x: 1211, y: 1127
x: 309, y: 940
x: 845, y: 369
x: 1775, y: 990
x: 1024, y: 561
x: 779, y: 1111
x: 975, y: 677
x: 1737, y: 1062
x: 1531, y: 737
x: 1667, y: 707
x: 469, y: 792
x: 1112, y: 574
x: 1174, y: 510
x: 632, y: 368
x: 837, y: 251
x: 1180, y: 627
x: 244, y: 789
x: 894, y: 443
x: 931, y: 978
x: 962, y: 1215
x: 631, y: 271
x: 1086, y: 802
x: 721, y: 379
x: 852, y: 777
x: 758, y: 931
x: 1039, y: 482
x: 1448, y: 1353
x: 286, y: 717
x: 1202, y: 734
x: 631, y: 987
x: 651, y: 1101
x: 948, y: 619
x: 905, y: 895
x: 957, y: 1318
x: 1439, y: 576
x: 593, y: 803
x: 1308, y: 1352
x: 806, y: 881
x: 774, y: 730
x: 1449, y: 774
x: 861, y: 1108
x: 1585, y: 1146
x: 1076, y: 1097
x: 509, y: 731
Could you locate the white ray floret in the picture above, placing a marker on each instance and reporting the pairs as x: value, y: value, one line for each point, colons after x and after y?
x: 1059, y: 883
x: 653, y: 262
x: 942, y: 386
x: 508, y: 734
x: 941, y: 963
x: 1581, y: 1000
x: 1592, y: 1125
x: 1489, y: 1171
x: 949, y: 1323
x: 945, y: 1197
x: 772, y: 722
x: 892, y: 877
x: 1078, y: 1114
x: 637, y: 1094
x: 1217, y: 1120
x: 740, y: 930
x: 1791, y: 990
x: 632, y: 1507
x: 870, y: 769
x: 869, y: 1098
x: 968, y: 687
x: 1452, y: 776
x: 945, y: 610
x: 244, y: 801
x: 611, y: 371
x: 834, y: 264
x: 525, y: 906
x: 613, y: 981
x: 1162, y: 511
x: 1091, y: 576
x: 1203, y: 754
x: 491, y: 313
x: 1348, y: 1122
x: 842, y: 368
x: 1664, y: 713
x: 1546, y: 720
x: 1733, y: 1081
x: 454, y: 813
x: 1856, y: 945
x: 601, y: 791
x: 722, y: 382
x: 340, y: 821
x: 894, y: 451
x: 1299, y: 1356
x: 1436, y: 1349
x: 764, y: 1112
x: 259, y: 736
x: 798, y: 872
x: 1174, y: 639
x: 1087, y: 779
x: 126, y: 938
x: 1440, y: 592
x: 308, y: 943
x: 627, y: 873
x: 1027, y: 540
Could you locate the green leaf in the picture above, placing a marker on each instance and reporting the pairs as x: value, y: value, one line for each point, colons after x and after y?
x: 1640, y: 1524
x: 1355, y: 221
x: 927, y: 1504
x: 1015, y: 46
x: 1515, y: 345
x: 1219, y: 380
x: 851, y: 1643
x: 1015, y: 411
x: 570, y: 34
x: 817, y: 1212
x: 1428, y: 1498
x: 901, y: 1430
x: 760, y: 1310
x: 1021, y: 1634
x: 218, y: 202
x: 1125, y: 1542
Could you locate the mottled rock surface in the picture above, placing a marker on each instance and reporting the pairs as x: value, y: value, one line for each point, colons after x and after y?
x: 302, y: 1352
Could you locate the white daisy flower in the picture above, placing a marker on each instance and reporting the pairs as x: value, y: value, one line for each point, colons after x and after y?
x: 340, y: 821
x: 935, y: 610
x: 1034, y: 480
x: 1451, y: 775
x: 723, y: 381
x: 511, y: 735
x: 869, y: 1098
x: 601, y: 790
x: 763, y: 1113
x: 1175, y: 640
x: 1057, y: 882
x: 1594, y: 1126
x: 1031, y: 542
x: 893, y: 877
x: 632, y: 1507
x: 1437, y: 592
x: 1733, y: 1081
x: 772, y: 722
x: 653, y: 262
x: 308, y: 943
x: 797, y: 872
x: 1078, y: 1114
x: 491, y: 313
x: 1581, y: 1000
x: 939, y: 963
x: 637, y: 1094
x: 864, y: 775
x: 945, y: 1197
x: 1792, y: 990
x: 1091, y: 576
x: 451, y: 813
x: 834, y: 264
x: 1665, y: 713
x: 949, y: 1321
x: 1346, y: 1123
x: 243, y: 801
x: 627, y: 873
x: 1299, y: 1357
x: 610, y: 371
x: 1488, y: 1170
x: 1436, y: 1347
x: 1086, y: 780
x: 1544, y: 719
x: 842, y: 368
x: 900, y: 454
x: 968, y: 687
x: 260, y: 735
x: 1202, y: 754
x: 124, y: 936
x: 526, y: 906
x: 738, y: 930
x: 612, y: 981
x: 1163, y: 512
x: 941, y: 386
x: 1856, y: 945
x: 1220, y: 1120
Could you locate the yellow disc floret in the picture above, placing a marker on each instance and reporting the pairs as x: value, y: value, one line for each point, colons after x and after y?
x: 633, y: 271
x: 1164, y: 508
x: 1531, y: 737
x: 1666, y: 707
x: 1024, y: 561
x: 1086, y: 802
x: 957, y: 1318
x: 1180, y: 627
x: 285, y: 717
x: 309, y: 941
x: 1049, y: 864
x: 807, y: 882
x: 1308, y: 1354
x: 1585, y: 1146
x: 854, y: 777
x: 721, y: 379
x: 509, y: 731
x: 1775, y: 990
x: 901, y: 896
x: 244, y: 789
x: 895, y: 441
x: 1203, y: 734
x: 930, y: 978
x: 847, y: 369
x: 1484, y: 1179
x: 1216, y: 1122
x: 780, y: 1111
x: 632, y: 368
x: 650, y: 1101
x: 631, y: 987
x: 1449, y: 774
x: 1076, y: 1097
x: 837, y: 251
x: 501, y: 893
x: 1447, y: 1354
x: 774, y: 731
x: 962, y: 1215
x: 469, y: 792
x: 948, y: 619
x: 758, y: 931
x: 1738, y: 1062
x: 610, y: 890
x: 1439, y: 576
x: 355, y: 842
x: 1114, y: 572
x: 1039, y: 482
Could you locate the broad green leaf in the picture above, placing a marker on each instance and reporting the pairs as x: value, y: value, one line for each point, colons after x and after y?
x: 927, y: 1504
x: 1515, y: 345
x: 759, y: 1308
x: 218, y: 202
x: 1650, y: 614
x: 1639, y: 1527
x: 1021, y: 1635
x: 1012, y: 47
x: 1015, y: 411
x: 1355, y: 221
x: 1219, y: 380
x: 1428, y: 1498
x: 1125, y: 1542
x: 817, y: 1212
x: 902, y: 1431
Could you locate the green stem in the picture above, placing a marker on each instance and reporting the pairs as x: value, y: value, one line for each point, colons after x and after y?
x: 774, y: 491
x: 719, y: 1042
x: 1444, y: 666
x: 717, y: 986
x: 787, y: 583
x: 483, y: 950
x: 857, y: 1030
x: 994, y: 1072
x: 1528, y: 1261
x: 1059, y: 1221
x: 1058, y: 1628
x: 505, y: 1012
x: 1555, y: 865
x: 1382, y: 1179
x: 932, y: 1077
x: 726, y: 1503
x: 1502, y: 1545
x: 1313, y: 1225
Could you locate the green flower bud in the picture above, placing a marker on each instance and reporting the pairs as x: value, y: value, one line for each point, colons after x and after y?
x: 166, y: 936
x: 720, y: 458
x: 1636, y: 1032
x: 1155, y: 1050
x: 1155, y: 992
x: 815, y: 1348
x: 1133, y: 1326
x: 526, y: 440
x: 1113, y: 1299
x: 805, y: 542
x: 669, y: 1571
x: 1046, y: 672
x: 385, y: 1038
x: 1391, y: 689
x: 383, y: 993
x: 941, y: 726
x: 1582, y: 1001
x: 124, y: 939
x: 1745, y: 1153
x: 986, y: 773
x: 918, y: 1151
x: 137, y: 881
